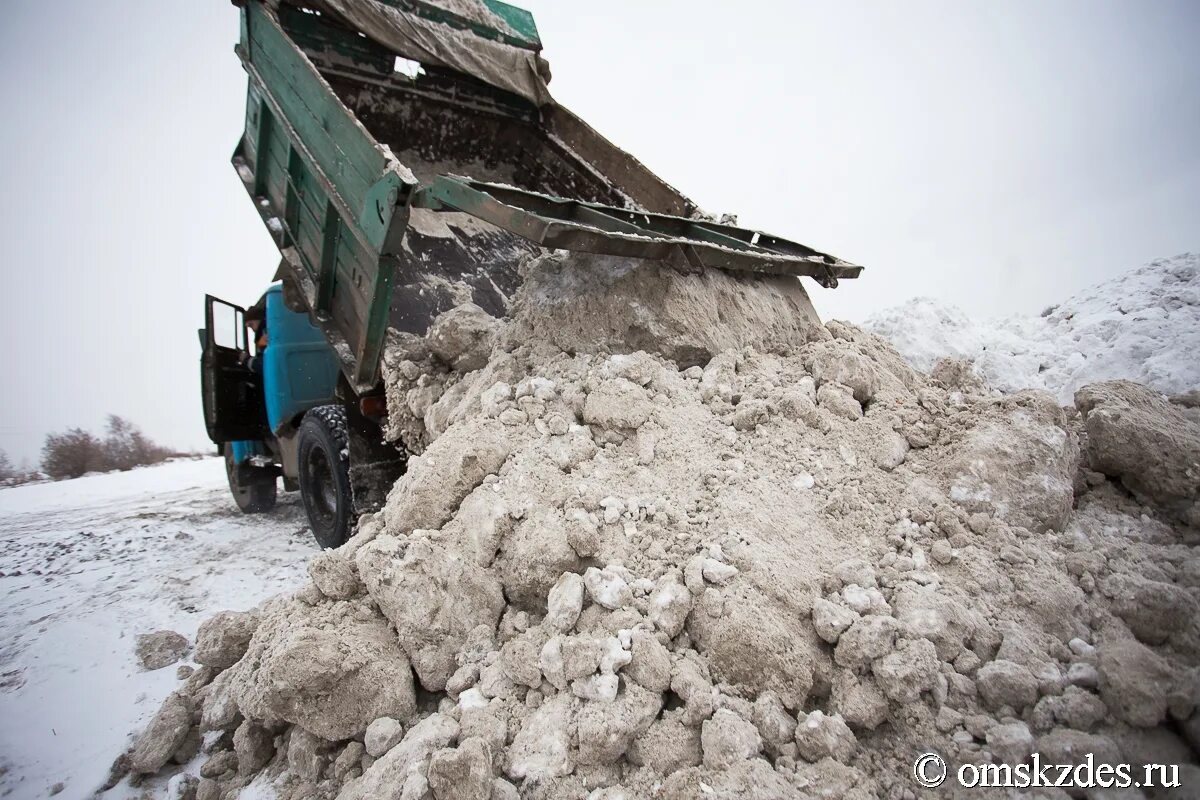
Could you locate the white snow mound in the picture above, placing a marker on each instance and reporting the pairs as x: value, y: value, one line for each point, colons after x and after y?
x: 1143, y: 326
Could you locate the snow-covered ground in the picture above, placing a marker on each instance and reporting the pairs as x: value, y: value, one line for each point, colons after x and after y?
x: 1143, y: 325
x: 85, y: 566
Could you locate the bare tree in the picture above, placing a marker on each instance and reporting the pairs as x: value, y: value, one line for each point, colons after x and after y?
x: 147, y: 451
x: 124, y: 446
x: 6, y: 468
x: 71, y: 454
x: 121, y: 442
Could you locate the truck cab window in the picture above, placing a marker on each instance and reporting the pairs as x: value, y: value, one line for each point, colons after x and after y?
x: 228, y: 327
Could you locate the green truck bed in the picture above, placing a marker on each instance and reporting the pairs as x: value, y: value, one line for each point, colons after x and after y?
x: 389, y: 194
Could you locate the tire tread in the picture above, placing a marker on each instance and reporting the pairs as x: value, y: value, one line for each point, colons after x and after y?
x: 331, y: 420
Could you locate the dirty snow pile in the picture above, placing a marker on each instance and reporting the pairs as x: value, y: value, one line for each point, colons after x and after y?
x: 667, y: 536
x: 1143, y: 325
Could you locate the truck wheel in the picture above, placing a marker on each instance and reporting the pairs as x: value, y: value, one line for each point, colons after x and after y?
x: 253, y: 495
x: 325, y: 475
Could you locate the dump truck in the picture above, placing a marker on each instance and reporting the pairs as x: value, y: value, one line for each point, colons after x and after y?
x: 404, y: 154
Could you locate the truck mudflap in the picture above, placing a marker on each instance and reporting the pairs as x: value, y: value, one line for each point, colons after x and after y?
x: 375, y: 465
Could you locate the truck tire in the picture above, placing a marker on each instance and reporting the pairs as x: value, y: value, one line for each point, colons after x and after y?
x: 324, y: 474
x: 254, y: 494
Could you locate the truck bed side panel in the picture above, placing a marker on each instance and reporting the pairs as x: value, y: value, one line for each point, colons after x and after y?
x: 326, y: 190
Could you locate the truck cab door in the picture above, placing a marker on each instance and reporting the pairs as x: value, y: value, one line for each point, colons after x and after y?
x: 231, y: 391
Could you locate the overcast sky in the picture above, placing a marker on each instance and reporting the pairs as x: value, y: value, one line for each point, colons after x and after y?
x: 999, y: 156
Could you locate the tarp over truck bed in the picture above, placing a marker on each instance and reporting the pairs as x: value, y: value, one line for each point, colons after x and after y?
x: 490, y: 42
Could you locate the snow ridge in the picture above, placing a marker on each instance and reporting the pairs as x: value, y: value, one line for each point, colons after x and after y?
x: 1143, y: 325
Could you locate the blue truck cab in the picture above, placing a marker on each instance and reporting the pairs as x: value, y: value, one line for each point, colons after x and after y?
x: 275, y: 410
x: 299, y: 371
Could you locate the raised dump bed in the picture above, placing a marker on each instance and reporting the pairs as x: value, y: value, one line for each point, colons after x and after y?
x: 407, y: 155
